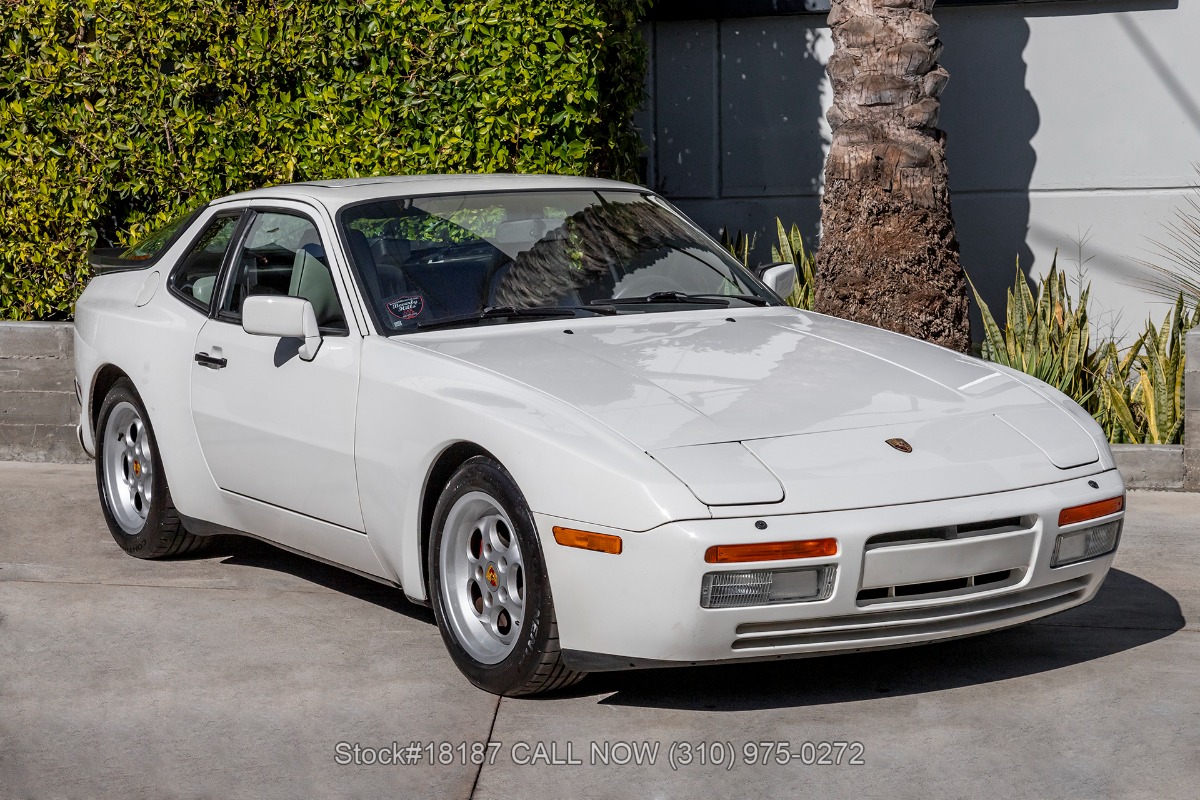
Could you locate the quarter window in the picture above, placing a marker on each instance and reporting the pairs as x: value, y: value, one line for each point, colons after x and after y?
x: 282, y: 255
x: 195, y: 277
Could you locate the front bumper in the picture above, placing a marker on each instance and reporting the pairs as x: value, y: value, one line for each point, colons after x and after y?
x: 642, y: 607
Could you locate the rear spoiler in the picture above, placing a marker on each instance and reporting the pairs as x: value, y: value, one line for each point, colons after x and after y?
x: 104, y: 260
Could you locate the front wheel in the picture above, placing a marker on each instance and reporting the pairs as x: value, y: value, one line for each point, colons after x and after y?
x: 489, y: 588
x: 133, y: 487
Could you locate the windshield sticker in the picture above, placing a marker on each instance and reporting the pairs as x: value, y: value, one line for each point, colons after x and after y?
x: 406, y: 307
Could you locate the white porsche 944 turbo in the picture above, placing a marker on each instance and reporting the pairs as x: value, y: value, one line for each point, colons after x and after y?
x: 561, y: 415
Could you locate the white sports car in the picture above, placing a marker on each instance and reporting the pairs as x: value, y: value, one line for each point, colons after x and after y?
x: 560, y: 414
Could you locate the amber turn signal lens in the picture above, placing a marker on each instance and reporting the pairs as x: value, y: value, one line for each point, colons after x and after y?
x: 770, y: 551
x: 1101, y: 508
x: 587, y: 540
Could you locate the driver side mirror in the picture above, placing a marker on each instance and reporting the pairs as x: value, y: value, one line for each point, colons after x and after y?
x: 779, y: 277
x: 285, y: 317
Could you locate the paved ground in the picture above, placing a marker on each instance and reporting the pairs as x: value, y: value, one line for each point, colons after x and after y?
x: 236, y: 675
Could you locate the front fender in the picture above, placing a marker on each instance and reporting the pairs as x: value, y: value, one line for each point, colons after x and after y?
x: 414, y: 403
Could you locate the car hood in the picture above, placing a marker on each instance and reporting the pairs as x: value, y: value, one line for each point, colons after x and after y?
x: 695, y: 377
x: 780, y: 382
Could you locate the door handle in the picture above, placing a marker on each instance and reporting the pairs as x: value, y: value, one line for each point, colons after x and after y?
x: 212, y: 362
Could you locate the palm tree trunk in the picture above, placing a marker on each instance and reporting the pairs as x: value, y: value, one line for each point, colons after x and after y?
x: 889, y: 252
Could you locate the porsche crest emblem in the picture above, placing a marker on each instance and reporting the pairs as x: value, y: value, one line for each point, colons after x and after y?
x: 492, y: 579
x: 901, y: 445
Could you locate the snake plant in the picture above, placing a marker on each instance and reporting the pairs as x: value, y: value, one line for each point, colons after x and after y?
x: 790, y: 249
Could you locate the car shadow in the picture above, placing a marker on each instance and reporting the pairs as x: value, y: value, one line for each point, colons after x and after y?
x: 249, y: 552
x: 1128, y: 612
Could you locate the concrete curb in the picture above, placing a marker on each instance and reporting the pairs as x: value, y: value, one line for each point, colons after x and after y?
x: 1150, y: 466
x: 37, y: 339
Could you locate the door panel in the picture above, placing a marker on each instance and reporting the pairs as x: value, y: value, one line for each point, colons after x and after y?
x: 273, y: 427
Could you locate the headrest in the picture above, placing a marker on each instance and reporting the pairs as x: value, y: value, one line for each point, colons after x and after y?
x: 521, y: 231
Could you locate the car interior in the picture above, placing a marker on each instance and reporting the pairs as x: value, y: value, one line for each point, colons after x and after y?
x: 431, y: 258
x: 282, y: 255
x: 196, y: 275
x: 451, y: 278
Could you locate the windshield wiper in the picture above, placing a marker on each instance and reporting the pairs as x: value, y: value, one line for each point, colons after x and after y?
x: 753, y: 300
x: 508, y: 312
x: 681, y: 297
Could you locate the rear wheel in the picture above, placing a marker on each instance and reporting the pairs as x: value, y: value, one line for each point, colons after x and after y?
x: 489, y: 588
x: 133, y: 487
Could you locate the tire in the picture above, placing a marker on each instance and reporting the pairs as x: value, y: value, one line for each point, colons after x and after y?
x: 131, y: 481
x: 489, y: 588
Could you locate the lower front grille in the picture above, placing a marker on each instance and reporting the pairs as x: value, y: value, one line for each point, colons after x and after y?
x: 932, y: 621
x: 912, y: 591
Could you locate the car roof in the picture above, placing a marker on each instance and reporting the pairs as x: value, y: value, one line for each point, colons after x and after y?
x: 337, y: 193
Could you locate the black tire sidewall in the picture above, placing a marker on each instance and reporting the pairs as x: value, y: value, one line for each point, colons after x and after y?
x: 146, y: 542
x: 521, y: 666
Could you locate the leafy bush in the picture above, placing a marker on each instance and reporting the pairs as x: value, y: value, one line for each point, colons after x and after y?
x: 116, y: 115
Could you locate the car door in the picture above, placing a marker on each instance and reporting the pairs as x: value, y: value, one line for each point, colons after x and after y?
x: 273, y: 427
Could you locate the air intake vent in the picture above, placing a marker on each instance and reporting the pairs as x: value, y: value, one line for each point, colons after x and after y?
x: 964, y: 585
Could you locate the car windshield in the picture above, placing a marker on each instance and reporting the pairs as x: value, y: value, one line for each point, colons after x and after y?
x: 493, y: 257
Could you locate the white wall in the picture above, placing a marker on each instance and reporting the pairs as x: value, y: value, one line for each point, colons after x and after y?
x: 1066, y: 121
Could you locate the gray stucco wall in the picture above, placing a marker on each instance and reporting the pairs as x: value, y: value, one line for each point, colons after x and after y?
x: 1067, y: 122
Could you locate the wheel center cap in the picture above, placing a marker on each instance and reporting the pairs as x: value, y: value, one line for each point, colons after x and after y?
x: 492, y: 577
x: 137, y: 468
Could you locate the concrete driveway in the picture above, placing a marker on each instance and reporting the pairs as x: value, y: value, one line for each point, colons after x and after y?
x: 238, y: 675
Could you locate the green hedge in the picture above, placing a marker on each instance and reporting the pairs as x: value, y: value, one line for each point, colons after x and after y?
x: 117, y: 115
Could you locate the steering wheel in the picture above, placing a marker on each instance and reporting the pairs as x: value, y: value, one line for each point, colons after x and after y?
x: 642, y: 285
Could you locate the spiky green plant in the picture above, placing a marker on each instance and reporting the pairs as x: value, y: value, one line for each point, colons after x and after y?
x: 1181, y: 272
x: 1135, y: 393
x: 1148, y: 405
x: 1112, y: 401
x: 790, y: 249
x: 1047, y: 337
x: 739, y: 246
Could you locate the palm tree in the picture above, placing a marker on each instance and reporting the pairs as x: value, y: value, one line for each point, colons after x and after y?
x: 889, y: 252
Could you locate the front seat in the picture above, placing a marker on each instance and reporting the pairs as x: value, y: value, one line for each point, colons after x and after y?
x: 382, y: 281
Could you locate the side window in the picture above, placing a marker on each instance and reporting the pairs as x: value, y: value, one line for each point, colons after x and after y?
x: 196, y: 276
x: 282, y: 254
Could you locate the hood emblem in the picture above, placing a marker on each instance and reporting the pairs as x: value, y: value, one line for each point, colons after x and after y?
x: 901, y: 445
